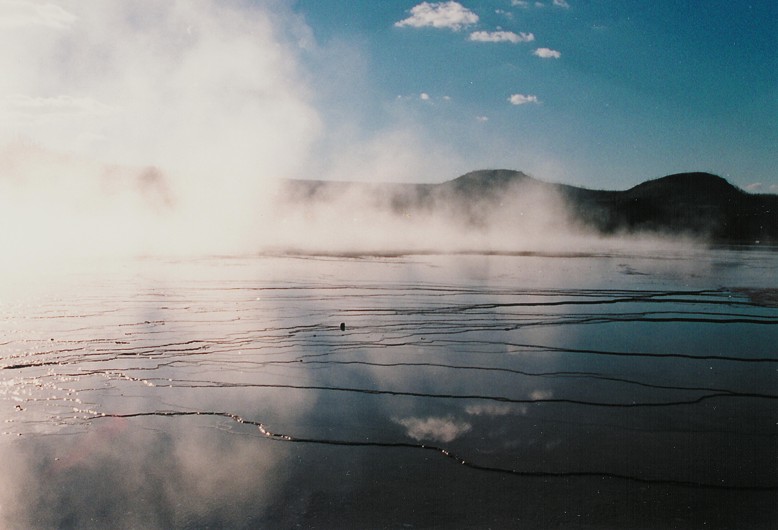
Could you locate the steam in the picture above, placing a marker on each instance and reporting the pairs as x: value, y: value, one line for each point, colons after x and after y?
x: 383, y: 219
x: 201, y: 88
x: 134, y: 128
x: 166, y: 121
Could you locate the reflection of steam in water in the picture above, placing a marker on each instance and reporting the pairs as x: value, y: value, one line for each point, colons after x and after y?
x: 129, y: 473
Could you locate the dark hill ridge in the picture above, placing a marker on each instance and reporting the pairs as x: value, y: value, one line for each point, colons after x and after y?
x: 693, y: 204
x: 487, y: 180
x: 685, y: 184
x: 698, y: 204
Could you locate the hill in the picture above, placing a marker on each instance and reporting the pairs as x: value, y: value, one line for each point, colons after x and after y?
x: 696, y: 204
x: 687, y: 204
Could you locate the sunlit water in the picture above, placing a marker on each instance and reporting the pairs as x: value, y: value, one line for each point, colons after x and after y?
x: 605, y: 390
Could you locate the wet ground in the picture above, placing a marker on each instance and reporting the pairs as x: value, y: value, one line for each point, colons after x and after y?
x: 610, y: 390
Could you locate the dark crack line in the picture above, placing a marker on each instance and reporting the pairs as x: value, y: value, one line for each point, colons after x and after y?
x: 443, y: 452
x: 189, y: 383
x: 555, y: 349
x: 123, y: 374
x: 653, y: 297
x: 571, y: 375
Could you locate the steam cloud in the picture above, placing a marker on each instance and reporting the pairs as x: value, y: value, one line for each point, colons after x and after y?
x: 164, y: 127
x: 115, y: 109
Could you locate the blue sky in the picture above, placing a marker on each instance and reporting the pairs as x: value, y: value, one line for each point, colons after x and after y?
x: 619, y: 91
x: 596, y: 93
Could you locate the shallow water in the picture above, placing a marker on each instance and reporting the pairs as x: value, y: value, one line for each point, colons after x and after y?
x: 619, y: 389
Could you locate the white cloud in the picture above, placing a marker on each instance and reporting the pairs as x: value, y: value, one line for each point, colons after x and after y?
x: 24, y: 14
x: 434, y: 429
x: 451, y: 15
x: 547, y: 53
x: 524, y: 4
x: 423, y: 96
x: 521, y: 99
x: 759, y: 187
x: 501, y: 36
x: 482, y: 119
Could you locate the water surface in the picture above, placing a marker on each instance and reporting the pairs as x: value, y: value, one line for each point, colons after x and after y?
x: 620, y: 389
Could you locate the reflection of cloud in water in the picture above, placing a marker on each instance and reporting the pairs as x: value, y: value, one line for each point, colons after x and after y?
x: 492, y: 409
x: 539, y: 395
x: 434, y: 429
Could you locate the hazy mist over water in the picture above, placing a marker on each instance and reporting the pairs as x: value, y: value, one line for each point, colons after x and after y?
x: 142, y: 132
x: 61, y: 209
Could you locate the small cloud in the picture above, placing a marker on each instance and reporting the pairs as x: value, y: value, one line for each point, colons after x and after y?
x: 524, y: 4
x: 450, y: 15
x: 547, y: 53
x: 421, y: 96
x: 482, y: 119
x: 501, y: 36
x: 506, y: 14
x: 434, y: 429
x: 760, y: 187
x: 20, y: 14
x: 521, y: 99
